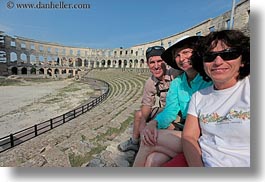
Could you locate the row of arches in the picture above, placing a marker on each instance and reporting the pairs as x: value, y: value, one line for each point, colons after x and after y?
x: 94, y: 62
x: 43, y: 71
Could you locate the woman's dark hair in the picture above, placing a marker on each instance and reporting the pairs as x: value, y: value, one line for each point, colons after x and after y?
x: 232, y: 38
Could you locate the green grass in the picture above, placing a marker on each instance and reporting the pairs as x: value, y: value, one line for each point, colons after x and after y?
x: 9, y: 82
x: 79, y: 160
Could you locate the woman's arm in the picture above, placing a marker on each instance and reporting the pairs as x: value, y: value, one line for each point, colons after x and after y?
x: 171, y: 109
x: 190, y: 136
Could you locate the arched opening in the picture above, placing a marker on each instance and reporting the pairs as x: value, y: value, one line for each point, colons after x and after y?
x: 103, y: 62
x: 78, y: 62
x: 49, y: 72
x: 141, y: 63
x: 24, y: 71
x: 125, y: 63
x: 23, y: 58
x: 13, y: 57
x: 32, y: 59
x: 41, y: 71
x: 14, y: 70
x: 109, y: 63
x: 56, y: 71
x: 33, y: 70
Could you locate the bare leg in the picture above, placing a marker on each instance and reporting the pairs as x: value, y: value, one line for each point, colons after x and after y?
x: 136, y: 125
x: 156, y: 159
x: 168, y: 143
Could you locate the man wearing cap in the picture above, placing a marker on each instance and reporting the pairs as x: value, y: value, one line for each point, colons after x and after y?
x: 154, y: 95
x: 159, y: 146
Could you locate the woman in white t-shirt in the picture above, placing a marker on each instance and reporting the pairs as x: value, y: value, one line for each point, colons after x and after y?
x: 217, y: 129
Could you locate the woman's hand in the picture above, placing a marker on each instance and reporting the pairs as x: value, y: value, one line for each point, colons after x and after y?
x: 149, y: 133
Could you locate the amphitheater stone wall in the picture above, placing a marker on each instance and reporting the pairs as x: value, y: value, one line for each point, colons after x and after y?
x: 27, y: 56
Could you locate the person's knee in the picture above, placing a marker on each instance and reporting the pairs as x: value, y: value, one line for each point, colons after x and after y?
x: 138, y: 114
x: 155, y: 160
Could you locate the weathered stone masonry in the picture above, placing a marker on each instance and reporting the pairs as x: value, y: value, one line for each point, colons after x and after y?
x: 20, y: 55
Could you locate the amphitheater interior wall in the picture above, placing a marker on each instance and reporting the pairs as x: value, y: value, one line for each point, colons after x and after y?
x: 27, y: 56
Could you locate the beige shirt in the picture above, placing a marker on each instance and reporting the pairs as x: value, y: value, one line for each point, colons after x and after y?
x: 150, y: 97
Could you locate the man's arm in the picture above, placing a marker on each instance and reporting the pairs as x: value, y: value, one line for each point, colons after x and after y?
x: 145, y: 111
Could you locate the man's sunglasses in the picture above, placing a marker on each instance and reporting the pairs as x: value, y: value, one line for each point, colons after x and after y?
x: 154, y: 48
x: 226, y: 55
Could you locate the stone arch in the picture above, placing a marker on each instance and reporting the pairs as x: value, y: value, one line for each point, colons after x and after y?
x: 24, y: 71
x: 32, y: 59
x: 41, y: 59
x: 71, y: 62
x: 135, y: 63
x: 14, y: 70
x: 41, y: 71
x: 13, y: 57
x: 119, y: 63
x: 125, y: 63
x: 109, y: 63
x: 71, y: 72
x: 33, y: 70
x: 23, y: 58
x: 77, y: 71
x: 114, y: 62
x: 103, y: 63
x: 49, y: 59
x: 97, y: 64
x: 86, y: 63
x: 141, y: 63
x: 49, y: 72
x: 56, y: 71
x: 131, y: 65
x: 78, y: 62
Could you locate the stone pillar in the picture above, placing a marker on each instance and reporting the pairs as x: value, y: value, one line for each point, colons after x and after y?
x: 28, y: 70
x: 88, y: 63
x: 122, y: 64
x: 18, y: 58
x: 28, y: 59
x: 7, y: 57
x: 19, y: 72
x: 60, y: 62
x: 37, y: 60
x: 37, y: 71
x: 74, y: 63
x: 128, y: 64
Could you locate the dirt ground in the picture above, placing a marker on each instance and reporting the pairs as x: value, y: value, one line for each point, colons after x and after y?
x: 29, y: 103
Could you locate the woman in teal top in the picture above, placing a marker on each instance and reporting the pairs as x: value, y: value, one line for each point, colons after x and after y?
x: 178, y: 99
x: 159, y: 146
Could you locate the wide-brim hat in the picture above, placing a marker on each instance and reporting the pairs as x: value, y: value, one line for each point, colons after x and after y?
x: 168, y: 56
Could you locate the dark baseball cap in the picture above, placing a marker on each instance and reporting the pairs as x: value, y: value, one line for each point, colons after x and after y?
x: 154, y: 51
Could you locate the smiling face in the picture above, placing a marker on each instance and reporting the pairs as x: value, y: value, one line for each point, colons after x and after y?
x: 182, y: 58
x: 157, y: 67
x: 224, y: 73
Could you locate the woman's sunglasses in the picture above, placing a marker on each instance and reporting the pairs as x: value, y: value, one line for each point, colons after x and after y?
x: 154, y: 48
x: 226, y: 55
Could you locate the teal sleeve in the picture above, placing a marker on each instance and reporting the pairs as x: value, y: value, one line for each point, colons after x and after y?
x: 171, y: 109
